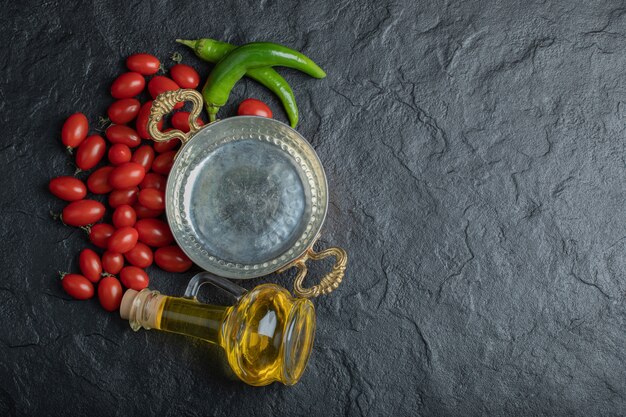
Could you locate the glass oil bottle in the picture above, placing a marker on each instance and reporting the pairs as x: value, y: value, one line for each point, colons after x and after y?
x: 267, y: 334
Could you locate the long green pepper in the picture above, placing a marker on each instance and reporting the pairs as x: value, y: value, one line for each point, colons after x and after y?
x: 213, y: 51
x: 251, y: 56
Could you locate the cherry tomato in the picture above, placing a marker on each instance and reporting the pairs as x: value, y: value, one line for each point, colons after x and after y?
x: 127, y: 175
x: 123, y: 240
x: 123, y: 134
x: 153, y: 180
x: 142, y: 120
x: 161, y: 84
x: 110, y: 293
x: 70, y: 188
x: 146, y: 213
x: 128, y: 85
x: 163, y: 163
x: 185, y: 76
x: 144, y: 64
x: 254, y: 107
x: 140, y: 255
x: 124, y: 216
x: 90, y: 152
x: 77, y: 286
x: 172, y: 259
x: 98, y: 181
x: 152, y: 198
x: 119, y: 154
x: 74, y: 130
x: 144, y: 156
x: 123, y: 197
x: 124, y: 110
x: 82, y: 212
x: 112, y: 262
x: 166, y: 145
x: 154, y: 232
x: 100, y: 233
x: 134, y: 278
x: 180, y: 121
x: 90, y: 265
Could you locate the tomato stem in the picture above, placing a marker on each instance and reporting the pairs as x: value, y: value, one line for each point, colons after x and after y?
x: 69, y: 150
x: 87, y: 228
x: 103, y: 123
x: 177, y: 57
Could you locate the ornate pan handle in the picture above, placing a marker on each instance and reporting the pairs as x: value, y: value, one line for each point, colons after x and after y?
x: 164, y: 103
x: 329, y: 282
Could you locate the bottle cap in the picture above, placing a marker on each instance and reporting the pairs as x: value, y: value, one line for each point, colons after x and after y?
x: 127, y: 303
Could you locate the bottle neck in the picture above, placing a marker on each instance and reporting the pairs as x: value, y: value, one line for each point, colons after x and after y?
x: 191, y: 318
x: 151, y: 310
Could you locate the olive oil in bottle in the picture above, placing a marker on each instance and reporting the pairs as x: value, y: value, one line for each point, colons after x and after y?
x: 267, y: 334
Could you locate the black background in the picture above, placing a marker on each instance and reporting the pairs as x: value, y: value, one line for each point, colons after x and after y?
x: 475, y: 156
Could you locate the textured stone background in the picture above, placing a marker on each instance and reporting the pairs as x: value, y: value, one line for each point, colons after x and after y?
x: 475, y: 152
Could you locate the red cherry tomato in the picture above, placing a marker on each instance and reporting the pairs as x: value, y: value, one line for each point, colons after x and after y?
x: 119, y: 154
x: 123, y: 240
x: 146, y: 213
x: 127, y: 175
x: 163, y: 163
x: 74, y: 130
x: 166, y: 145
x: 134, y: 278
x: 128, y: 85
x: 161, y: 84
x: 110, y: 293
x: 123, y: 197
x: 154, y: 232
x: 69, y: 188
x: 140, y: 255
x: 90, y: 265
x: 185, y: 76
x: 152, y: 198
x: 123, y: 134
x: 144, y: 64
x: 124, y: 110
x: 254, y: 107
x: 144, y: 156
x: 112, y: 262
x: 180, y: 121
x: 82, y: 212
x: 90, y: 152
x: 124, y: 216
x: 77, y: 286
x: 100, y: 233
x: 172, y: 259
x: 98, y: 181
x: 142, y: 120
x: 153, y: 180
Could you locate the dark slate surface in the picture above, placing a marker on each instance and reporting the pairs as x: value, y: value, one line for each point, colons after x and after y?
x: 475, y: 152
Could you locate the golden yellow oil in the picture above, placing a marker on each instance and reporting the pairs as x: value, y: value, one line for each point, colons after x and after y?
x: 267, y: 335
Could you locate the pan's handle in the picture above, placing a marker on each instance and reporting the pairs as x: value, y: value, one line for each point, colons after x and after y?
x: 329, y: 282
x: 164, y: 103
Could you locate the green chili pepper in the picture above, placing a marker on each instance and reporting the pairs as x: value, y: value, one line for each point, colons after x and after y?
x: 253, y: 55
x: 213, y: 51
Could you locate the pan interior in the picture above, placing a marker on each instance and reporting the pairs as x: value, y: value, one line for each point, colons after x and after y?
x: 247, y: 201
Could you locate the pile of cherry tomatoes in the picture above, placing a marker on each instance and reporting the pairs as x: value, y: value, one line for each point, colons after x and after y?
x: 133, y: 178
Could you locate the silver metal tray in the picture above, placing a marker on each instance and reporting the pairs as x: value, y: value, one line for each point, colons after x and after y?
x: 246, y: 196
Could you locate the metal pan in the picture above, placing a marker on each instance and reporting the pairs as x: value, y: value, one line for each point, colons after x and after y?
x: 246, y: 196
